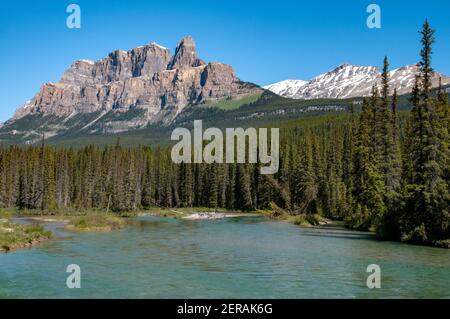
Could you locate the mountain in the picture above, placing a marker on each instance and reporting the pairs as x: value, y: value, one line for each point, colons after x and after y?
x: 286, y: 88
x: 347, y: 81
x: 146, y: 78
x: 142, y: 94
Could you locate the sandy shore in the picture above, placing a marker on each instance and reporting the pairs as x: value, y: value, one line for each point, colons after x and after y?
x: 214, y: 215
x: 48, y: 220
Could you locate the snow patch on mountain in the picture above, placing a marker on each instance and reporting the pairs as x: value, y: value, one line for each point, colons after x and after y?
x: 86, y: 61
x: 347, y: 81
x: 286, y: 87
x: 159, y: 46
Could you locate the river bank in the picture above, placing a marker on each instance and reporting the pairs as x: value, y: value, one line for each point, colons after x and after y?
x: 98, y: 222
x: 16, y: 236
x: 205, y: 213
x: 196, y: 213
x: 103, y: 221
x: 248, y: 257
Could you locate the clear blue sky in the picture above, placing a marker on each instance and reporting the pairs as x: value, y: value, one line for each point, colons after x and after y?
x: 265, y: 41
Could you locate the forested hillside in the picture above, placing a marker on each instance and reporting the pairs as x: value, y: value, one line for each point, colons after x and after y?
x: 376, y: 169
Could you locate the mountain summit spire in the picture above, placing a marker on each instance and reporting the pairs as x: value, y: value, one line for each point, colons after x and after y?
x: 147, y: 78
x: 185, y: 54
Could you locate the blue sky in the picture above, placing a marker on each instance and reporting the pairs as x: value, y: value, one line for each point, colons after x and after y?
x: 265, y: 41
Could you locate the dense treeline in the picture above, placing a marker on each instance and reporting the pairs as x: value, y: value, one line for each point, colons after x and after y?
x: 370, y: 168
x: 124, y: 179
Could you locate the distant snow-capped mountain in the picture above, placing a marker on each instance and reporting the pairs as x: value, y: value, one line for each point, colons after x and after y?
x: 286, y: 87
x: 348, y: 81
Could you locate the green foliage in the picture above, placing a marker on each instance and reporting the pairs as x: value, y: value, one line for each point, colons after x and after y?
x: 314, y: 219
x: 98, y: 221
x: 379, y: 169
x: 233, y: 103
x: 299, y: 220
x: 13, y: 236
x: 418, y: 235
x: 425, y: 213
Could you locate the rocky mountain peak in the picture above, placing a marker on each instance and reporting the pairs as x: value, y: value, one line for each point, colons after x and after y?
x: 185, y: 54
x: 347, y: 80
x: 118, y: 66
x: 286, y: 87
x: 146, y: 77
x: 349, y: 70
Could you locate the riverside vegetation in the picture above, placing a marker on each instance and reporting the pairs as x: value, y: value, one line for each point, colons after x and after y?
x: 14, y: 236
x: 377, y: 170
x: 19, y: 235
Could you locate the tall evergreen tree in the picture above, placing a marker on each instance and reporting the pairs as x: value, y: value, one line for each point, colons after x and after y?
x: 427, y: 192
x: 390, y: 165
x: 368, y: 181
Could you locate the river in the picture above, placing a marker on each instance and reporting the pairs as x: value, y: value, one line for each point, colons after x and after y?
x: 246, y: 257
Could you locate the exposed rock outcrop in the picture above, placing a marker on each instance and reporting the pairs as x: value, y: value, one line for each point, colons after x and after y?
x: 146, y: 77
x: 185, y: 55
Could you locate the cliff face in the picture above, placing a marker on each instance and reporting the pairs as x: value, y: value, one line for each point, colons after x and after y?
x: 118, y: 66
x: 185, y: 55
x: 146, y: 77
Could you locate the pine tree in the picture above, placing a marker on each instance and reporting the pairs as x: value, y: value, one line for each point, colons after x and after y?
x: 243, y: 195
x: 306, y: 184
x: 390, y: 165
x: 213, y: 188
x: 443, y: 113
x: 427, y: 192
x: 368, y: 181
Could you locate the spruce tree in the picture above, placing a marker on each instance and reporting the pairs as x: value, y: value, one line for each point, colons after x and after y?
x: 368, y: 181
x: 427, y: 192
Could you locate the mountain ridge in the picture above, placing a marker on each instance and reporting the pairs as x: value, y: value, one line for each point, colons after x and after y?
x: 147, y: 89
x: 147, y: 77
x: 348, y: 81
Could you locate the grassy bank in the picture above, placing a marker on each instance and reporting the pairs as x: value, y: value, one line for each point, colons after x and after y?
x: 95, y: 222
x: 306, y: 220
x: 296, y: 218
x: 14, y: 236
x: 78, y: 220
x: 100, y: 220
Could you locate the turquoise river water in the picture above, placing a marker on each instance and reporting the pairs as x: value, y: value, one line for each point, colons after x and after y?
x: 246, y: 257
